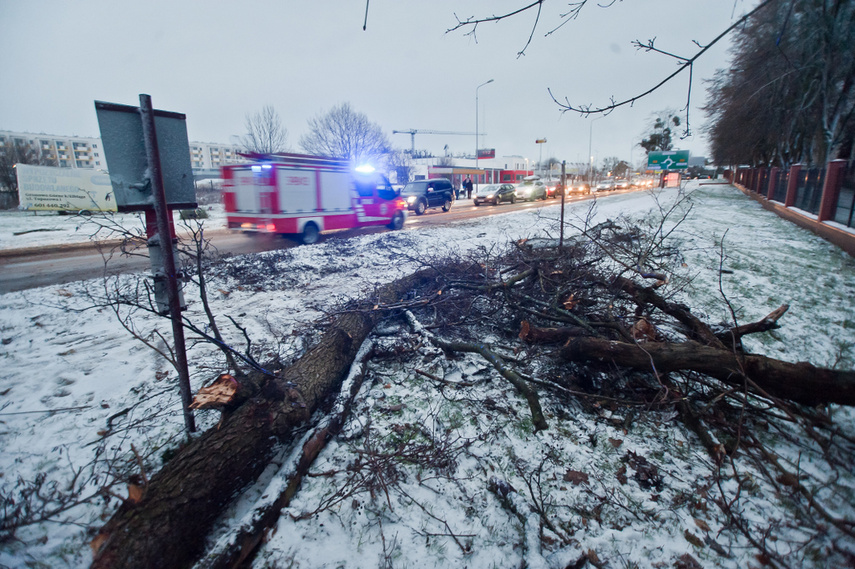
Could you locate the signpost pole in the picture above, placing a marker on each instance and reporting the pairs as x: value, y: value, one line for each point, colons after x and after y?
x: 165, y: 238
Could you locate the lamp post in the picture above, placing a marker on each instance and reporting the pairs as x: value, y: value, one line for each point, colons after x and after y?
x: 591, y: 156
x: 540, y: 142
x: 476, y: 130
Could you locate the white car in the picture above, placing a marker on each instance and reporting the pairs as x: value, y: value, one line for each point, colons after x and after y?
x: 531, y: 190
x: 605, y: 186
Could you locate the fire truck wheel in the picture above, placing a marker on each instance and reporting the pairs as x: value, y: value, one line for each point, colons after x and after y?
x: 397, y: 221
x: 421, y: 206
x: 446, y: 205
x: 311, y: 234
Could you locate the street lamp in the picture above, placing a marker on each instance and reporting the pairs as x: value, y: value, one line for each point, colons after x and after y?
x: 476, y: 130
x: 540, y: 142
x: 591, y: 156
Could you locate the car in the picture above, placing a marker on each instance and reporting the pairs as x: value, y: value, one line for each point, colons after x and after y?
x: 422, y: 195
x: 605, y: 186
x: 531, y: 190
x: 552, y: 188
x: 581, y: 188
x: 495, y: 193
x: 621, y: 184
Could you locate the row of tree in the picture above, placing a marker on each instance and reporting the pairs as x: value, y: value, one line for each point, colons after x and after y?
x: 342, y: 132
x: 789, y: 95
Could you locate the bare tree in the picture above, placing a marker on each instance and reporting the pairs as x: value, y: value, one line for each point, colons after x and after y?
x: 345, y: 133
x: 401, y: 162
x: 264, y: 132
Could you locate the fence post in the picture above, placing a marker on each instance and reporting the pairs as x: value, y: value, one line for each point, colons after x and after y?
x: 792, y: 185
x: 773, y: 181
x: 831, y: 189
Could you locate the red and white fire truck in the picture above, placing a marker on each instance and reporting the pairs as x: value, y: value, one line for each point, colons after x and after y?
x: 302, y: 195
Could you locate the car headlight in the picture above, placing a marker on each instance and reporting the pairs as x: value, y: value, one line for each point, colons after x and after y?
x: 490, y: 197
x: 411, y: 199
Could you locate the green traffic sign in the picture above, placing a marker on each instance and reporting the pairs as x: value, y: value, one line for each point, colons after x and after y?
x: 668, y: 160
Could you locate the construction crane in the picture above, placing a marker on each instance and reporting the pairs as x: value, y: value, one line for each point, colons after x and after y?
x: 413, y: 131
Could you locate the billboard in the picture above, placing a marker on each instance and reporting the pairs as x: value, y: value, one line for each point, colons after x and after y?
x: 64, y: 189
x: 484, y: 153
x: 668, y: 160
x: 124, y: 149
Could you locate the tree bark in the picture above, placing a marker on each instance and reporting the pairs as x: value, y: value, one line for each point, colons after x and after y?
x: 801, y: 382
x: 182, y: 501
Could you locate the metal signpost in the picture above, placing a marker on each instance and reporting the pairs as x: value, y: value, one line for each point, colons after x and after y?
x: 148, y: 157
x: 668, y: 160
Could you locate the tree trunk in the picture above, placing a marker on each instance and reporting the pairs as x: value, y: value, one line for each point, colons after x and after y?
x: 800, y: 382
x: 182, y: 501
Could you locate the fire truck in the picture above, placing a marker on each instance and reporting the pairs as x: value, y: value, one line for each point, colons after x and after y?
x: 302, y: 195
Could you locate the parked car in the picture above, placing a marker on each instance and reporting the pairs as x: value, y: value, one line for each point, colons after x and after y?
x: 495, y: 193
x: 531, y: 190
x: 424, y: 194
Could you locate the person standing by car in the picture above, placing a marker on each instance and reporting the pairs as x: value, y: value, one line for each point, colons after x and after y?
x: 467, y: 187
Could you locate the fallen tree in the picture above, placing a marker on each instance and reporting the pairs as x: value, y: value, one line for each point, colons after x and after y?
x: 565, y: 298
x: 168, y: 526
x: 801, y: 383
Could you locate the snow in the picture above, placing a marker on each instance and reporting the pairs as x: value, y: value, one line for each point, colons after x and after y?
x: 25, y: 229
x: 77, y: 387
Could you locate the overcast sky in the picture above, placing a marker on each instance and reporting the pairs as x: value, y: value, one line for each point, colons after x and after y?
x: 216, y: 61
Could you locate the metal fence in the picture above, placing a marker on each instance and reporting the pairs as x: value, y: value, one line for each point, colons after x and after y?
x: 809, y: 190
x: 782, y: 180
x: 844, y: 209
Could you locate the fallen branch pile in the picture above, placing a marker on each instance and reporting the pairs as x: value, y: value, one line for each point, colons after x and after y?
x: 566, y: 323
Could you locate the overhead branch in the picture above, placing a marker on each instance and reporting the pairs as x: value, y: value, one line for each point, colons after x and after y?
x: 586, y: 110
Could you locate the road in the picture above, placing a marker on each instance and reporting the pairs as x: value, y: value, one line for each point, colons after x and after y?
x: 33, y: 268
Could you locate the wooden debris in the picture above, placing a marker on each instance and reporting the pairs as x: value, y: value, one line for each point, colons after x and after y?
x: 216, y: 395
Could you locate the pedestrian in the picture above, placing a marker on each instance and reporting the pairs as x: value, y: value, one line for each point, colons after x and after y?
x: 457, y: 189
x: 467, y: 187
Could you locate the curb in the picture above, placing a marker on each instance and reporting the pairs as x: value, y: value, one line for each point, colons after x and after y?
x: 81, y: 246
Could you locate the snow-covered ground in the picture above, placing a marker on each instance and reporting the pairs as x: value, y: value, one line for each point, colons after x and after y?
x: 25, y: 229
x: 78, y: 388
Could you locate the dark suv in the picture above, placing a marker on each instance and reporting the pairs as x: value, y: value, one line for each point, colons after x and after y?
x: 422, y: 194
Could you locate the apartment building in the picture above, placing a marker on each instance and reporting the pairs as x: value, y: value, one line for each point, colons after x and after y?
x: 82, y: 152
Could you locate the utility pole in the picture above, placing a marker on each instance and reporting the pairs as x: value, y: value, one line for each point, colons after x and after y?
x: 477, y: 178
